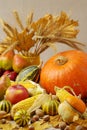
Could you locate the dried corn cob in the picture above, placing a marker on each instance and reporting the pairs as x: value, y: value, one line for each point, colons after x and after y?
x: 24, y: 104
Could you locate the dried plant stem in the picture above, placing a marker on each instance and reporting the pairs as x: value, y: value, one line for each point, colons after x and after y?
x: 69, y: 42
x: 10, y: 48
x: 11, y: 29
x: 18, y: 19
x: 37, y: 36
x: 8, y: 33
x: 29, y: 20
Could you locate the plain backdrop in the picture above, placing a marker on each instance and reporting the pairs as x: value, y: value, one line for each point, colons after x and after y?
x: 77, y: 9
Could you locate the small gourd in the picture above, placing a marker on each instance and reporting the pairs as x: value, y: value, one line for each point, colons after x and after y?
x: 51, y: 107
x: 5, y: 105
x: 21, y: 117
x: 29, y: 73
x: 67, y: 112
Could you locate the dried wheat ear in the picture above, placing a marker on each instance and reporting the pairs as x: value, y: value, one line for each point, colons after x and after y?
x: 37, y: 36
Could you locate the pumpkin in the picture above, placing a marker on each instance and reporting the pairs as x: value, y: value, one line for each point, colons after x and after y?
x: 67, y: 113
x: 77, y: 103
x: 29, y: 73
x: 50, y: 107
x: 67, y: 68
x: 5, y: 105
x: 21, y: 117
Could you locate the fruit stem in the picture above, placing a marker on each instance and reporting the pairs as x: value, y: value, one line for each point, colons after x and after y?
x: 65, y: 87
x: 40, y: 65
x: 61, y: 60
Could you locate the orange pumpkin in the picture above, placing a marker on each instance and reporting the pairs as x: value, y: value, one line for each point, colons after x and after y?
x: 76, y: 103
x: 66, y: 68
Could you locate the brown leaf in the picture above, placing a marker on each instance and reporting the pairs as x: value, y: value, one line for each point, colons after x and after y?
x: 82, y: 122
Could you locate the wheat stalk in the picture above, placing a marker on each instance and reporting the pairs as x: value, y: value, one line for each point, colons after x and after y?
x: 18, y: 19
x: 37, y: 36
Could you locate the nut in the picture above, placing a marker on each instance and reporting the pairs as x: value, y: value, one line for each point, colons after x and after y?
x: 62, y: 125
x: 39, y: 112
x: 46, y: 118
x: 36, y: 117
x: 79, y: 127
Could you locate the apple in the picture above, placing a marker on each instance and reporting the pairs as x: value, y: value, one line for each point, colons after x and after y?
x: 11, y: 74
x: 16, y: 93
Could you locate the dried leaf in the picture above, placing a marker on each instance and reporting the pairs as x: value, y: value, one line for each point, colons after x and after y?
x: 81, y: 122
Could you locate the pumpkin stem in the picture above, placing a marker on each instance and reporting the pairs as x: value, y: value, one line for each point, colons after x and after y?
x: 68, y: 87
x: 40, y: 65
x: 65, y: 87
x: 57, y: 88
x: 61, y: 60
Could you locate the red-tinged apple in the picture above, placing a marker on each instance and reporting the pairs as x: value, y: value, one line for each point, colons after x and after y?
x: 16, y: 93
x: 11, y: 74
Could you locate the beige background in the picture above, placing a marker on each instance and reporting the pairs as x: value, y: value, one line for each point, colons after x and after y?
x: 77, y: 9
